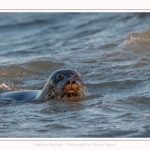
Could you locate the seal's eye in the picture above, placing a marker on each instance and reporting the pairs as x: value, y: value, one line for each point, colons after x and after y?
x: 60, y: 76
x: 75, y: 76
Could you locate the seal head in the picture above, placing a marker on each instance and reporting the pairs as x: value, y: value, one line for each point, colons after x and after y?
x: 64, y: 83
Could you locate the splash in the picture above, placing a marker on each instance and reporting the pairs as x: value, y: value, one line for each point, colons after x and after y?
x: 4, y: 87
x: 136, y: 38
x: 137, y: 43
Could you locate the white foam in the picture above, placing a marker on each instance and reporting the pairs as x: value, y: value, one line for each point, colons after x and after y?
x: 3, y: 86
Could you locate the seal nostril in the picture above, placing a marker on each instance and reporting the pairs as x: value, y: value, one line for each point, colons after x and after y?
x: 71, y: 82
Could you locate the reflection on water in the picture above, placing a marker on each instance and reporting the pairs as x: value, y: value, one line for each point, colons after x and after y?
x: 111, y: 52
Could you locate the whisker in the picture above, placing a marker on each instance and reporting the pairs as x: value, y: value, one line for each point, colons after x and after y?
x: 83, y: 91
x: 57, y: 93
x: 54, y: 93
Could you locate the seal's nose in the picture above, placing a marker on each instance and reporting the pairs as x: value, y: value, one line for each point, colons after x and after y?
x: 71, y: 82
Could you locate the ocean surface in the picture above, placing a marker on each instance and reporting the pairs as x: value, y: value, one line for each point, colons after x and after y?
x: 110, y: 50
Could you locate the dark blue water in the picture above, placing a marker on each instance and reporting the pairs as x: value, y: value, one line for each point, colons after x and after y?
x: 110, y: 50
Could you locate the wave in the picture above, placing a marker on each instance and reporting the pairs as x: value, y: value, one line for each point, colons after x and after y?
x: 138, y: 43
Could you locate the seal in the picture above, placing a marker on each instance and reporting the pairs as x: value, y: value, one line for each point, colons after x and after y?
x: 61, y: 84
